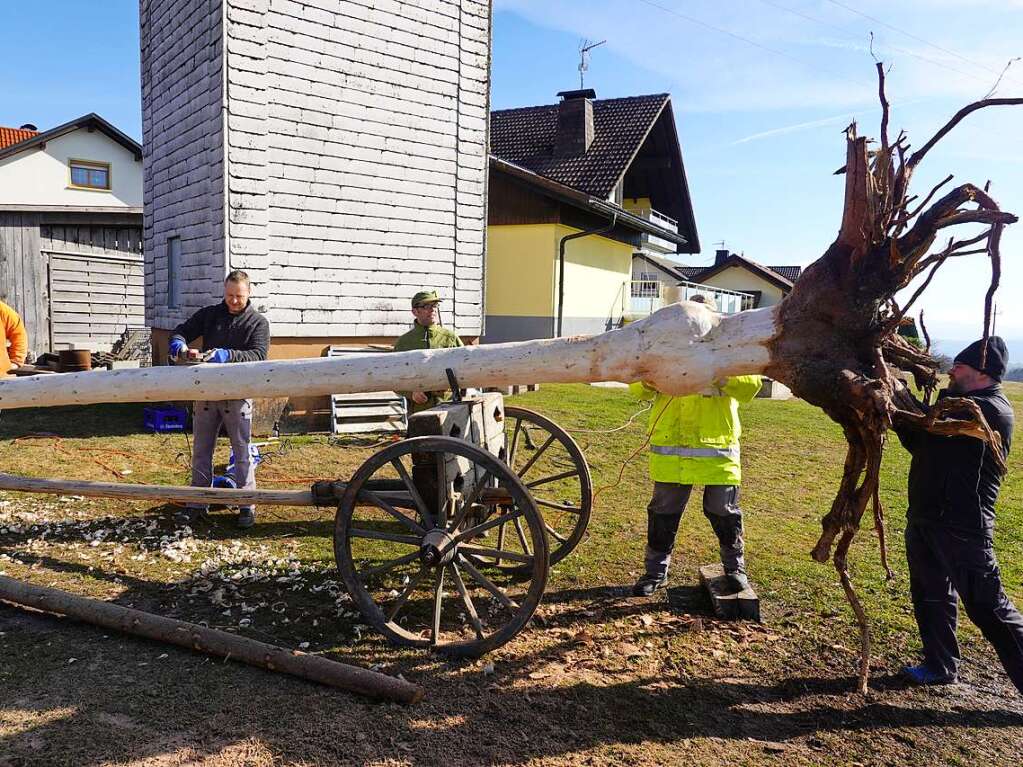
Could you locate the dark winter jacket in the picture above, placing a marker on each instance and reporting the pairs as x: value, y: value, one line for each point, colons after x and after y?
x: 246, y: 335
x: 954, y: 481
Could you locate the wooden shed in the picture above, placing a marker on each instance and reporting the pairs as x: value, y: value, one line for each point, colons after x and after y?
x: 76, y: 278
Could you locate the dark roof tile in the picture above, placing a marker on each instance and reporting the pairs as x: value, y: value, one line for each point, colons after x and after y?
x: 525, y: 137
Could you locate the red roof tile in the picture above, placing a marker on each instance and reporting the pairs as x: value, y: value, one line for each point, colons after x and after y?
x: 11, y: 136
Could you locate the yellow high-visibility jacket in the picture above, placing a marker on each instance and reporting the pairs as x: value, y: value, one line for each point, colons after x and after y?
x: 694, y: 440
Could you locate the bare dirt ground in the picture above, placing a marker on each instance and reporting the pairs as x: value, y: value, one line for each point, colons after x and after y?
x: 599, y: 678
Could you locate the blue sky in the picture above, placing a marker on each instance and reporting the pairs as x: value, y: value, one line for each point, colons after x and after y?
x: 761, y: 89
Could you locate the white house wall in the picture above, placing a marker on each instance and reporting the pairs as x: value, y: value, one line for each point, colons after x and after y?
x: 356, y: 159
x: 43, y: 177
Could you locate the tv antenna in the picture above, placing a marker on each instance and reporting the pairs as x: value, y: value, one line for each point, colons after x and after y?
x: 584, y: 58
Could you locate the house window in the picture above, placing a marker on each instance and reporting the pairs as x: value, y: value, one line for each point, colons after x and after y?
x: 173, y: 272
x: 90, y: 175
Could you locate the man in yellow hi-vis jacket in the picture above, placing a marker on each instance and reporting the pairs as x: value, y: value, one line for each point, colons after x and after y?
x: 694, y: 440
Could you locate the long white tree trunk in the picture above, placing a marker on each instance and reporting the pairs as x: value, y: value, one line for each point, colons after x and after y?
x: 680, y: 349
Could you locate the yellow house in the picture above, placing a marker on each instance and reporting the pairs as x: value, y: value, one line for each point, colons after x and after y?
x: 575, y: 189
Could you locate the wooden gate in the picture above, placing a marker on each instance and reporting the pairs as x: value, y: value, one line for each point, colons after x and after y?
x: 23, y: 283
x: 96, y: 283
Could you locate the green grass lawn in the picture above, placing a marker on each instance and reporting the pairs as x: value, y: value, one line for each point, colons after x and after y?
x: 601, y: 680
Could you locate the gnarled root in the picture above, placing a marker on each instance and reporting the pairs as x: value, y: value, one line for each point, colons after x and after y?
x: 841, y: 550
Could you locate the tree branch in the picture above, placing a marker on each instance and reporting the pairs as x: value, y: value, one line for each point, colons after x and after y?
x: 918, y: 155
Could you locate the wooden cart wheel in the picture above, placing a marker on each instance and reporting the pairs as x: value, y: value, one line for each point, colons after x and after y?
x: 419, y: 572
x: 552, y: 466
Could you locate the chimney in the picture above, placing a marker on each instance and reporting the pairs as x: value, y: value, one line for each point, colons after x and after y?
x: 575, y: 123
x: 720, y: 256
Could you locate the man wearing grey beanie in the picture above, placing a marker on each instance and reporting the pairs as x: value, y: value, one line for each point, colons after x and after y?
x: 953, y: 486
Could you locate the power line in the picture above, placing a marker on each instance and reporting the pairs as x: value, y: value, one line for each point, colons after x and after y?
x: 748, y: 41
x: 854, y: 36
x: 915, y: 37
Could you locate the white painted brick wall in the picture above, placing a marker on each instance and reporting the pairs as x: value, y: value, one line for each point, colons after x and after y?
x: 377, y: 155
x: 355, y: 148
x: 182, y: 151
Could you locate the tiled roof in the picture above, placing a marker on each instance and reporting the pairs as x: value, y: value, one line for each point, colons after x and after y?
x: 790, y: 273
x: 786, y: 273
x: 689, y: 272
x: 11, y: 136
x: 525, y: 137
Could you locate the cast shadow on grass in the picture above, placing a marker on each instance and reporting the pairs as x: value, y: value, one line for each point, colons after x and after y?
x: 74, y: 421
x: 208, y: 705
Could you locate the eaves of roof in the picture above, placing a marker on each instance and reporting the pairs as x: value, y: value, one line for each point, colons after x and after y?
x: 584, y: 201
x: 735, y: 260
x: 91, y: 120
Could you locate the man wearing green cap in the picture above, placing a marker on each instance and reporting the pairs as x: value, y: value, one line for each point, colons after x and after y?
x: 426, y: 333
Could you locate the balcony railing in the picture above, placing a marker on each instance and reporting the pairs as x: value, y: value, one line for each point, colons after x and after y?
x: 662, y: 221
x: 647, y: 296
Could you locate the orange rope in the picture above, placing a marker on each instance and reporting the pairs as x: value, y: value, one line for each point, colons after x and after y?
x: 637, y: 451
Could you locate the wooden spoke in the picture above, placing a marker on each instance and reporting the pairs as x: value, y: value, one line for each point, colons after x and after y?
x: 417, y: 499
x: 557, y: 506
x: 483, y: 551
x: 522, y: 537
x: 555, y: 478
x: 555, y: 534
x: 442, y: 489
x: 486, y: 583
x: 388, y: 566
x: 468, y: 502
x: 380, y: 503
x: 438, y: 603
x: 472, y: 532
x: 529, y: 464
x: 377, y: 535
x: 406, y: 592
x: 470, y: 608
x: 514, y: 443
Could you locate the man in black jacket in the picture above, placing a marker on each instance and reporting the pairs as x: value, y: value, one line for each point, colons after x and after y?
x: 953, y: 486
x: 232, y: 331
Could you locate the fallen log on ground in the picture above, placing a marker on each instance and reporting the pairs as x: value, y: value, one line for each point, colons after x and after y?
x: 211, y: 641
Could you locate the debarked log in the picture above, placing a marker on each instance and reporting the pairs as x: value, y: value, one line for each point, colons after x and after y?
x: 212, y: 641
x: 680, y: 349
x: 200, y: 496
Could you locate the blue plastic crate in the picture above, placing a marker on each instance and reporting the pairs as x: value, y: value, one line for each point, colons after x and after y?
x: 165, y: 418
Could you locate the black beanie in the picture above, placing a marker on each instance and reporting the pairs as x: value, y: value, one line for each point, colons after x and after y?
x: 997, y: 357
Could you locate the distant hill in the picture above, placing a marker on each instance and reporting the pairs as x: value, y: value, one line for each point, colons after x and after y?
x: 953, y: 347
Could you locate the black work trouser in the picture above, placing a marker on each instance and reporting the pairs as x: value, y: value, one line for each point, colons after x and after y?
x: 945, y: 564
x: 664, y: 512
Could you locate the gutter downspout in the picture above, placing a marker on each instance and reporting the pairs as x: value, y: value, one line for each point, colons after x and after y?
x: 561, y: 263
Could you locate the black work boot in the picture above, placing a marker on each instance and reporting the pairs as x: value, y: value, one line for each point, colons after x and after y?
x: 737, y: 580
x: 246, y: 517
x: 649, y: 583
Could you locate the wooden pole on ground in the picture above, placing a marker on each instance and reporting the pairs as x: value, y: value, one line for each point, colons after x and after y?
x: 170, y: 493
x: 211, y: 641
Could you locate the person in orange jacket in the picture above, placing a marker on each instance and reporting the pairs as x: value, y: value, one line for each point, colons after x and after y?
x: 14, y: 342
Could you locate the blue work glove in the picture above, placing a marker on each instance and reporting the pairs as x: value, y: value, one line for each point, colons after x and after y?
x: 176, y: 347
x: 220, y: 355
